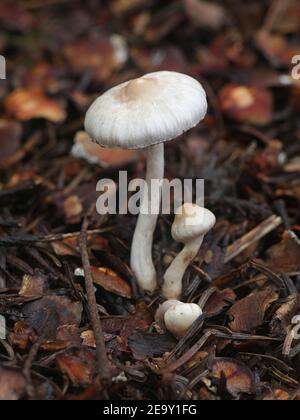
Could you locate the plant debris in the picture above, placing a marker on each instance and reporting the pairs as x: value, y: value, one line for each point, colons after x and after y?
x: 77, y: 326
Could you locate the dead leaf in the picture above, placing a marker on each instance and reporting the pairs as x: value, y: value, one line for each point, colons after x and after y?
x: 119, y: 7
x: 247, y: 104
x: 142, y: 312
x: 277, y: 394
x: 239, y: 378
x: 150, y: 345
x: 266, y: 161
x: 49, y: 313
x: 210, y: 63
x: 78, y: 365
x: 88, y: 339
x: 285, y: 256
x: 204, y: 14
x: 69, y: 246
x: 100, y: 57
x: 28, y: 104
x: 85, y: 148
x: 54, y: 346
x: 42, y: 76
x: 276, y: 48
x: 69, y: 333
x: 219, y: 300
x: 34, y: 286
x: 22, y: 336
x: 12, y: 385
x: 289, y: 22
x: 66, y: 247
x: 249, y: 313
x: 73, y: 209
x: 166, y: 58
x: 293, y: 165
x: 111, y: 281
x: 284, y: 315
x: 206, y: 395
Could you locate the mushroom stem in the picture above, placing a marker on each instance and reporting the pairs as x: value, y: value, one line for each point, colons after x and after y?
x: 172, y: 287
x: 141, y: 250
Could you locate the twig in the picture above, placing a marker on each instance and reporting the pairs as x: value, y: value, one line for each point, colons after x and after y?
x: 31, y: 356
x: 174, y: 365
x: 28, y: 364
x: 251, y: 237
x: 22, y: 152
x: 103, y: 364
x: 27, y: 239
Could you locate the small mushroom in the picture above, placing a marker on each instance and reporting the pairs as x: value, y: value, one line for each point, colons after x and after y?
x: 177, y: 317
x: 190, y: 226
x: 143, y: 114
x: 162, y: 309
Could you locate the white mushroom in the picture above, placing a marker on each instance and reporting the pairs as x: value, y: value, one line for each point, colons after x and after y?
x: 190, y: 226
x: 143, y: 114
x: 177, y: 317
x: 162, y: 309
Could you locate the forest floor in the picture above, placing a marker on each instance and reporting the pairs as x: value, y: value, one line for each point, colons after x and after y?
x: 61, y: 55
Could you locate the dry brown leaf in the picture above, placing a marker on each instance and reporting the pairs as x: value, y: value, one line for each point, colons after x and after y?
x: 54, y: 346
x: 69, y: 246
x: 266, y: 161
x: 12, y: 384
x: 73, y: 209
x: 33, y: 286
x: 204, y: 14
x: 145, y: 345
x: 100, y: 57
x: 79, y: 366
x: 293, y: 165
x: 111, y: 282
x: 219, y: 301
x: 247, y: 104
x: 66, y: 247
x: 277, y: 394
x: 247, y: 314
x: 166, y: 58
x: 85, y: 148
x: 42, y: 76
x: 285, y: 256
x: 284, y: 315
x: 239, y: 378
x: 206, y: 395
x: 276, y: 48
x: 28, y: 104
x: 88, y: 339
x: 49, y: 313
x: 289, y: 23
x: 22, y: 336
x: 122, y: 6
x: 210, y: 63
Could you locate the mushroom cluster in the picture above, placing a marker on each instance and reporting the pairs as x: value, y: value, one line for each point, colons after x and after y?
x: 145, y: 113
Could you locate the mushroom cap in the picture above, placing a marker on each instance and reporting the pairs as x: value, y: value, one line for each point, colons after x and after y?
x: 192, y: 221
x: 146, y: 111
x: 179, y: 318
x: 162, y: 309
